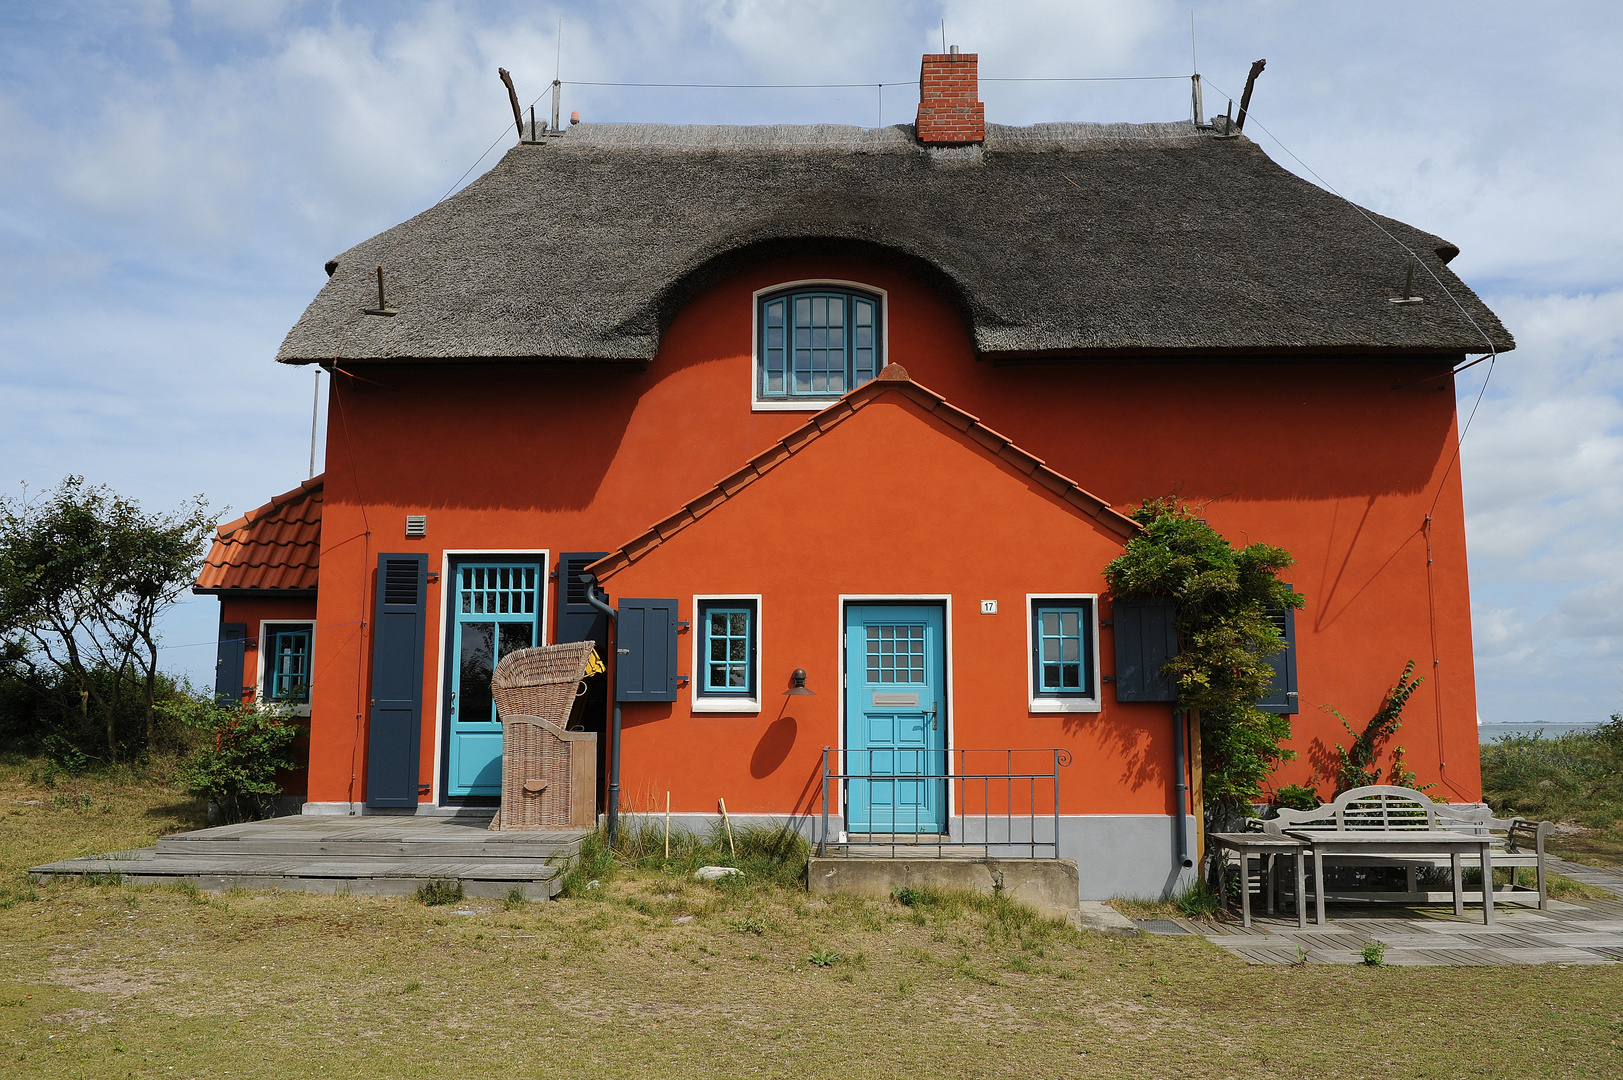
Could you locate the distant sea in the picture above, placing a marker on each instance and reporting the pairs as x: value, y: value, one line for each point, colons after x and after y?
x: 1487, y: 733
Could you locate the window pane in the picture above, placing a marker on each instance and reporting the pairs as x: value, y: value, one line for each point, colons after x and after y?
x: 515, y: 636
x: 1059, y: 648
x: 474, y: 703
x: 729, y: 634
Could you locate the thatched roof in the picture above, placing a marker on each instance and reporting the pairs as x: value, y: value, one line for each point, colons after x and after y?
x: 1080, y: 239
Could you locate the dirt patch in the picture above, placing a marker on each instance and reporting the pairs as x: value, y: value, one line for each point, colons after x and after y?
x: 114, y: 982
x: 80, y: 1018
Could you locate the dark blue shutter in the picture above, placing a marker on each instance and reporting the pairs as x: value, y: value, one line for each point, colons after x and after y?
x: 228, y: 664
x: 1281, y: 697
x: 645, y: 651
x: 395, y: 720
x: 576, y: 619
x: 1146, y: 633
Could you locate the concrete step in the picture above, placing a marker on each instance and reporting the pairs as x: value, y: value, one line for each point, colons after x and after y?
x: 368, y: 875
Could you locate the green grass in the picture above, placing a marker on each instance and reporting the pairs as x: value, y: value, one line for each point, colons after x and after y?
x: 111, y: 981
x: 1574, y: 779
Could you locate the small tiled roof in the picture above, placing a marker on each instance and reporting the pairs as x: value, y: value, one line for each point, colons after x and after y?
x: 893, y: 377
x: 275, y: 549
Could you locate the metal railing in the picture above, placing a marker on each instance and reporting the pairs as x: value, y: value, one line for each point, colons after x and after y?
x: 922, y: 802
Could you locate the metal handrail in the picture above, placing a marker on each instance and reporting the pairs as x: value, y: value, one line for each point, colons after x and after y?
x: 1039, y: 801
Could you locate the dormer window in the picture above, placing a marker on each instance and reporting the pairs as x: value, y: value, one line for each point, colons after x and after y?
x: 816, y: 342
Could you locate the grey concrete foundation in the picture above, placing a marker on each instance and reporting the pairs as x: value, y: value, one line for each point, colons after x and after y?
x: 1048, y: 885
x: 1116, y: 855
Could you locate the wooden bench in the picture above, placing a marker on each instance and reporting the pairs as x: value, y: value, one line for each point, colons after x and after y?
x: 1383, y: 808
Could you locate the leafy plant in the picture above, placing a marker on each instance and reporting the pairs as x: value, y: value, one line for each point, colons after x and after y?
x: 1197, y: 900
x: 440, y: 892
x: 1226, y: 639
x: 1359, y: 765
x: 1297, y: 797
x: 1373, y: 953
x: 824, y: 958
x: 244, y: 746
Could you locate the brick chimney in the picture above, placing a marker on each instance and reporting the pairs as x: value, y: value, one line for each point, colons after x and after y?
x: 949, y: 115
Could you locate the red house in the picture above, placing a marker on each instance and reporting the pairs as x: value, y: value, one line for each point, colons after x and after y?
x: 857, y: 412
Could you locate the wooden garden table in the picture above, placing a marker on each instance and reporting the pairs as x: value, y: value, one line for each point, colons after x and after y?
x: 1415, y: 843
x: 1247, y: 844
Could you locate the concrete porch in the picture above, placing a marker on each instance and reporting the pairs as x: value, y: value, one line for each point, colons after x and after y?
x: 373, y: 856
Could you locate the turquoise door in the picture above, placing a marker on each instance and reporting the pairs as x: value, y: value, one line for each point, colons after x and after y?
x: 895, y: 718
x: 496, y: 609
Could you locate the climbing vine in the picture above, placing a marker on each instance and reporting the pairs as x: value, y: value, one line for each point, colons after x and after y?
x: 1226, y: 640
x: 1360, y: 764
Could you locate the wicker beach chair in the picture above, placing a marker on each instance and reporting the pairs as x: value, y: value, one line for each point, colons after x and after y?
x: 549, y: 774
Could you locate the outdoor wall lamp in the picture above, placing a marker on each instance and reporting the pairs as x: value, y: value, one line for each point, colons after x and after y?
x: 799, y: 687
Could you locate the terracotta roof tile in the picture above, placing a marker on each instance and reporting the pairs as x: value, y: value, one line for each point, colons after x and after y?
x: 275, y: 548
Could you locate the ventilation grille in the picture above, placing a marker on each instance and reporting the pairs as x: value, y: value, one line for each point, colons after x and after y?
x: 401, y: 580
x: 416, y: 524
x: 574, y: 587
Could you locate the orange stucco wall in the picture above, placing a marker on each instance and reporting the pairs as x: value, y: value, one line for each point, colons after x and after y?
x: 942, y: 518
x: 1329, y: 460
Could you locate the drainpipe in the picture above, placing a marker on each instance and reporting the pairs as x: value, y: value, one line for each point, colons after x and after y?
x: 614, y: 729
x: 1179, y: 767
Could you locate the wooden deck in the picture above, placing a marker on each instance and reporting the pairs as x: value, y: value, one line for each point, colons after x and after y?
x: 377, y: 856
x: 1570, y: 932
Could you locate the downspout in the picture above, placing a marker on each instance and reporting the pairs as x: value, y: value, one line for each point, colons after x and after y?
x: 614, y: 729
x: 1180, y: 767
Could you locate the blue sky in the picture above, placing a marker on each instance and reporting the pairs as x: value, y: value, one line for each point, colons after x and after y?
x: 174, y: 174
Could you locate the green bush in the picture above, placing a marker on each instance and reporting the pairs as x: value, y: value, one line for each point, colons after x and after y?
x: 242, y: 749
x: 1574, y: 777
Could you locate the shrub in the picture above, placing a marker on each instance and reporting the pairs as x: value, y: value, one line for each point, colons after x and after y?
x: 1574, y: 777
x: 243, y: 747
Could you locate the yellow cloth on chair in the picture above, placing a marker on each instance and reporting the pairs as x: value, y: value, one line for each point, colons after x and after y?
x: 594, y: 664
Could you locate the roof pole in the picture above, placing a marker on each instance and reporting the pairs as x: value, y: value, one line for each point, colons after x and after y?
x: 315, y: 407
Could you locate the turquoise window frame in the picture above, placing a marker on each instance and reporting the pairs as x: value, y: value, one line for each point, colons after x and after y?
x: 707, y: 641
x: 279, y: 684
x: 1087, y: 678
x: 799, y: 340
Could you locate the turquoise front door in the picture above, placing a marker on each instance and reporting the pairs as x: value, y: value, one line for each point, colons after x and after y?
x: 895, y: 718
x: 496, y: 609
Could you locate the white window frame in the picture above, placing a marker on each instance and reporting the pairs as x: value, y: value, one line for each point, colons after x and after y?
x: 262, y: 649
x: 759, y: 404
x: 701, y: 702
x: 1061, y: 703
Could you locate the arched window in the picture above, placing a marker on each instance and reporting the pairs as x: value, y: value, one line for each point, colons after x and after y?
x: 816, y: 342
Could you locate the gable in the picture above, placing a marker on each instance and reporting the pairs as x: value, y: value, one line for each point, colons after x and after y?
x: 890, y: 463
